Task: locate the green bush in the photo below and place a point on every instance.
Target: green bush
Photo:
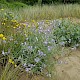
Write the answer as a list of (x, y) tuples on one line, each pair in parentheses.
[(66, 33)]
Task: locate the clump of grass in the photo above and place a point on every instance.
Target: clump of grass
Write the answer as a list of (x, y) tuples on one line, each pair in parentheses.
[(10, 72), (44, 12)]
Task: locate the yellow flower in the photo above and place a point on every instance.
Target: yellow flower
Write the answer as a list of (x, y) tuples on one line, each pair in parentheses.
[(28, 26), (10, 60), (60, 18), (4, 38), (47, 20), (33, 21), (1, 35), (3, 23), (14, 27), (17, 25), (14, 21), (24, 25), (2, 9), (15, 65), (8, 26)]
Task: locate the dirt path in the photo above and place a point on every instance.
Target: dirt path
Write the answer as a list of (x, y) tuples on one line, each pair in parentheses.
[(68, 68)]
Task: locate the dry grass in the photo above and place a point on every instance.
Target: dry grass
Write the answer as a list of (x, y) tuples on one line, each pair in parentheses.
[(46, 12)]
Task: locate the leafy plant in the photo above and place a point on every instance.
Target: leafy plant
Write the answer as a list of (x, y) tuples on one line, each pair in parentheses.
[(67, 33)]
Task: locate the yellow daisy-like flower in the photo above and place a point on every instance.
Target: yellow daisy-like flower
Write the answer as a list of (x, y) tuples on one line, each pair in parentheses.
[(3, 23), (2, 9), (14, 27), (15, 65), (33, 21), (1, 35), (4, 38), (29, 26), (10, 60)]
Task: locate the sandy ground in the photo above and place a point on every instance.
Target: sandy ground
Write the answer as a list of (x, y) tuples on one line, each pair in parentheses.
[(68, 68)]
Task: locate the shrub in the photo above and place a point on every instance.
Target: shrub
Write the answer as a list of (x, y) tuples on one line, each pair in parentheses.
[(66, 33)]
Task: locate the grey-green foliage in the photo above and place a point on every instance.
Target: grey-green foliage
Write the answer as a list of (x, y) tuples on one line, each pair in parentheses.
[(67, 34)]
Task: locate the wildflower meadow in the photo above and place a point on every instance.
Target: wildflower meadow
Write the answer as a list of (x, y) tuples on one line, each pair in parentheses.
[(31, 47)]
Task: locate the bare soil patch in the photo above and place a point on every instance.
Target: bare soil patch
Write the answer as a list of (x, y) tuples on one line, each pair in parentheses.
[(68, 68)]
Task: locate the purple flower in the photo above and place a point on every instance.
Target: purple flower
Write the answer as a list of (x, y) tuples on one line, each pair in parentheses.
[(45, 42), (28, 69), (37, 59), (3, 52), (30, 48), (41, 53), (49, 48)]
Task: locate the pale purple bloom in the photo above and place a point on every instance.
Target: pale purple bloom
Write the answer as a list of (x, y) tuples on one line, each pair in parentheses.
[(62, 43), (3, 52), (25, 43), (4, 41), (31, 65), (30, 48), (37, 59), (49, 48), (45, 42), (24, 64), (41, 53), (28, 69)]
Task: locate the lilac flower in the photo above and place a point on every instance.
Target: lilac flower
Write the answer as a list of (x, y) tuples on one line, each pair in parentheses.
[(37, 59), (31, 65), (62, 43), (28, 69), (4, 41), (25, 43), (46, 42), (53, 40), (30, 48), (41, 53), (26, 38), (11, 38), (24, 64), (6, 53), (3, 52), (49, 48)]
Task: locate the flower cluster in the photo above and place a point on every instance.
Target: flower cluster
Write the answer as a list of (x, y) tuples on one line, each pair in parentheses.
[(12, 62), (2, 37)]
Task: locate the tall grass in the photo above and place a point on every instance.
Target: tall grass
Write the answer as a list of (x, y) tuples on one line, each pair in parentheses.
[(45, 12), (10, 73)]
